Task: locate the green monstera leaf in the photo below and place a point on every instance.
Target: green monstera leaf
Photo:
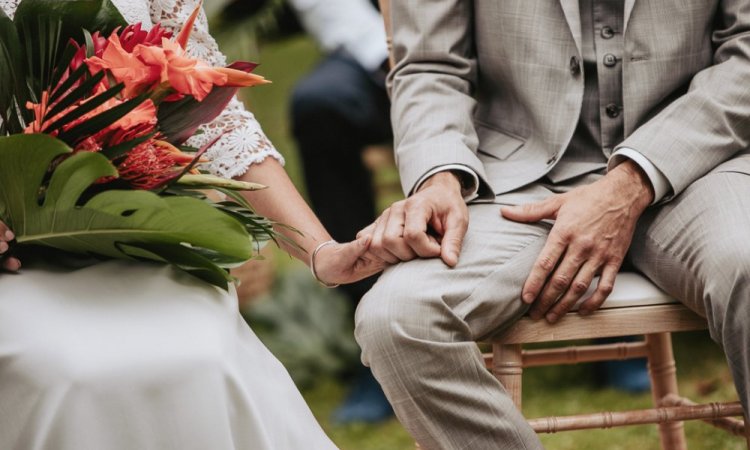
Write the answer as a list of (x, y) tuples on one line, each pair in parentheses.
[(50, 211)]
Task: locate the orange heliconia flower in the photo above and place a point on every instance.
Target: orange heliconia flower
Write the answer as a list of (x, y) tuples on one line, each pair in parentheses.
[(137, 75), (145, 66)]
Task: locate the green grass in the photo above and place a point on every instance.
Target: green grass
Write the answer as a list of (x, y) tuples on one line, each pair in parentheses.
[(547, 391)]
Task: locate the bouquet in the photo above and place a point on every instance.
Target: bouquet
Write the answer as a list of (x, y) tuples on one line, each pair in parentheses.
[(95, 114)]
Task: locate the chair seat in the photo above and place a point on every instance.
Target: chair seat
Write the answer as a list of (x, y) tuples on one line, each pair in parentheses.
[(631, 289), (635, 306)]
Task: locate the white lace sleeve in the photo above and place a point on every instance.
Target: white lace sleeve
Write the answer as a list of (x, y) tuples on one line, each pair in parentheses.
[(242, 141)]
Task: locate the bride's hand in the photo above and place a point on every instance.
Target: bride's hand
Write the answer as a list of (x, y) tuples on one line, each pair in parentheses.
[(6, 237), (346, 263)]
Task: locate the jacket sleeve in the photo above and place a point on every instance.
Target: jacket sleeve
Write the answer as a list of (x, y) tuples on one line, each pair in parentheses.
[(431, 86), (711, 122)]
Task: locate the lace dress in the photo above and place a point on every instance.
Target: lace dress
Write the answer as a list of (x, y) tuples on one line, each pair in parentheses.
[(125, 356)]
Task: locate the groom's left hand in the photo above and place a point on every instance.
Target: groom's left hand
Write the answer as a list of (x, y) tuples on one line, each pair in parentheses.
[(593, 228)]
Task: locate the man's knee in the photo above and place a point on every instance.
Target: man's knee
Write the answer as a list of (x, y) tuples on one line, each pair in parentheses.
[(397, 316), (727, 288), (378, 318)]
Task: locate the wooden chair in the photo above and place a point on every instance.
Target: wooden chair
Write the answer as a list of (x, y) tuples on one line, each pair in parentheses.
[(635, 307)]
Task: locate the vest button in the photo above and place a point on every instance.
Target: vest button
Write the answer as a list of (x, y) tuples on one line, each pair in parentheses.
[(575, 65), (607, 32), (612, 110), (610, 60)]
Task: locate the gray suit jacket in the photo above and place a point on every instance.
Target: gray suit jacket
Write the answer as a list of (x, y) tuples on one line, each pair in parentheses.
[(495, 85)]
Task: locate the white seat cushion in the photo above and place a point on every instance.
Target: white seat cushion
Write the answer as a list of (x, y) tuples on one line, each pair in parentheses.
[(631, 289)]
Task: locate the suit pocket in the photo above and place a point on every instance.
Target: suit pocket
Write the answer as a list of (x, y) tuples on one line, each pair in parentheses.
[(496, 143)]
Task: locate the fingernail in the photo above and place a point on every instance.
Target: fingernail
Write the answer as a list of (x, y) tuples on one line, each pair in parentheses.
[(3, 247), (9, 235), (16, 263), (528, 297), (551, 318)]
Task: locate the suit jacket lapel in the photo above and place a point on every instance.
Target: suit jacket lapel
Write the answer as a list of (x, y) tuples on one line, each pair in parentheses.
[(573, 16), (628, 10)]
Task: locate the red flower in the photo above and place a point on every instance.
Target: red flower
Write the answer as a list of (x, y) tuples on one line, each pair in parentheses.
[(153, 164)]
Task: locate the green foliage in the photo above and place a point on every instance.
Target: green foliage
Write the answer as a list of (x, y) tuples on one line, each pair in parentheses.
[(57, 211)]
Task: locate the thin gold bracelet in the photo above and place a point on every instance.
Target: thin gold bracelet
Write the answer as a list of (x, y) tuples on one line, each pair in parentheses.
[(312, 264)]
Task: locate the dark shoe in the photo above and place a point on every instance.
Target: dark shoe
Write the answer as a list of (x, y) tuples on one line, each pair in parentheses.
[(365, 402)]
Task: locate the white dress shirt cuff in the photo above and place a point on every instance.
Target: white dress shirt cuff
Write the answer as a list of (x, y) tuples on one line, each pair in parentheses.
[(658, 181), (469, 192)]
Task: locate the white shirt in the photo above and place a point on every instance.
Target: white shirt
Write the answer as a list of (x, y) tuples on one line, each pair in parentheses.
[(352, 25)]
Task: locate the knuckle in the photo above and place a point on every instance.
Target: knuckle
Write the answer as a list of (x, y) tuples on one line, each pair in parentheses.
[(605, 288), (546, 263), (376, 245), (390, 240), (615, 261), (579, 287), (413, 202), (411, 234), (560, 282), (586, 243), (462, 221), (565, 234)]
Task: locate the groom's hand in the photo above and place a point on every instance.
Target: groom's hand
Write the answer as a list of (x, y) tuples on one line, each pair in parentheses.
[(6, 237), (432, 222), (593, 228)]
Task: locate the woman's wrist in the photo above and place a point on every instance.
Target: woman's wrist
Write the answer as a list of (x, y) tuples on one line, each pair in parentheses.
[(314, 255)]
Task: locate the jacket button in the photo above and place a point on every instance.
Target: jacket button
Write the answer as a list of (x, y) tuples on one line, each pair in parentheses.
[(607, 32), (610, 60), (575, 65), (612, 110)]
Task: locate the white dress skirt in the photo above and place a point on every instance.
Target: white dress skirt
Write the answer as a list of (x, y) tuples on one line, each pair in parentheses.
[(128, 356)]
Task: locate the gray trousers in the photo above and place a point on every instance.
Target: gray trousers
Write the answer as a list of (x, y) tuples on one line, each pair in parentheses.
[(418, 324)]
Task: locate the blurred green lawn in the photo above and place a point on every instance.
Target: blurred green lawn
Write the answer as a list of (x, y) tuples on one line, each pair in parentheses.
[(560, 390)]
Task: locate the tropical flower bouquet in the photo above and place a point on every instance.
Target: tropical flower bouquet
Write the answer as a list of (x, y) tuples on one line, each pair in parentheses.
[(95, 114)]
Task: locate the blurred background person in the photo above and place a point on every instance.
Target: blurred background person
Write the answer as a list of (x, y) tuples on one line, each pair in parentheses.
[(337, 111)]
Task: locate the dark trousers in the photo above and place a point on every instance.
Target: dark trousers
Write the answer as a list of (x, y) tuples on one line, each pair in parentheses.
[(338, 110)]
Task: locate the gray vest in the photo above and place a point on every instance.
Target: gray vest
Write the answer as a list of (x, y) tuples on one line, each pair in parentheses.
[(600, 127)]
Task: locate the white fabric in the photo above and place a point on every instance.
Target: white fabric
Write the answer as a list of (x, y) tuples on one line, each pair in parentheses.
[(658, 181), (124, 356), (353, 25), (242, 141), (631, 289)]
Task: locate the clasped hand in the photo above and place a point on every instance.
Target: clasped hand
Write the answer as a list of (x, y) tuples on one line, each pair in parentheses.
[(348, 262), (430, 223), (593, 229)]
